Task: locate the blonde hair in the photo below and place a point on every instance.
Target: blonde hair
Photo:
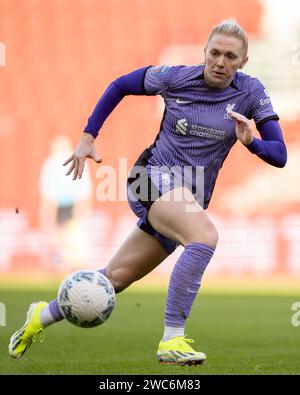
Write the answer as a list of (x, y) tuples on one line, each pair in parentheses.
[(231, 27)]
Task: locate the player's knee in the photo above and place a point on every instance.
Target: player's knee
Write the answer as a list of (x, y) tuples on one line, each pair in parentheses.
[(118, 279), (207, 234), (211, 235), (118, 284)]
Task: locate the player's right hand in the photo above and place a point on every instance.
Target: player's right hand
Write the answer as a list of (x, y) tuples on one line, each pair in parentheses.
[(85, 149)]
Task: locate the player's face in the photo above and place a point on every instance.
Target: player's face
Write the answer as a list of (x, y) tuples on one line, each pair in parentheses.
[(224, 55)]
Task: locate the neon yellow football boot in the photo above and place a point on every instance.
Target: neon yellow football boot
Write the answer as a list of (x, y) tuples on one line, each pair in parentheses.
[(178, 351), (24, 337)]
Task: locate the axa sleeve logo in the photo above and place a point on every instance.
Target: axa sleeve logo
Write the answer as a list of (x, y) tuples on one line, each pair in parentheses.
[(267, 100), (182, 126)]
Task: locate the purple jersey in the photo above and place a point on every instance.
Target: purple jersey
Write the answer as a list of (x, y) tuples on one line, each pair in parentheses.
[(197, 129)]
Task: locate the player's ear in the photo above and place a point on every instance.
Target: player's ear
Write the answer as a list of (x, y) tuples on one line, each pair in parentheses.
[(204, 50), (245, 60)]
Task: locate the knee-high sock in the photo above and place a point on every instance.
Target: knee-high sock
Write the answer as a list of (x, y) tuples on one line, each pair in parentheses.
[(55, 311), (185, 282)]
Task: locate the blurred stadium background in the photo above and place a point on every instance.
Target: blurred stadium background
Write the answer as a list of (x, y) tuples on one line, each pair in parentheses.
[(58, 56)]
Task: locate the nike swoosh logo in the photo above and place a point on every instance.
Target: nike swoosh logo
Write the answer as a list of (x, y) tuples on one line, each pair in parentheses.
[(192, 291), (178, 101)]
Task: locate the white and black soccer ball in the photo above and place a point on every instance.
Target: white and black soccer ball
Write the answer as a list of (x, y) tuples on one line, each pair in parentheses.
[(86, 298)]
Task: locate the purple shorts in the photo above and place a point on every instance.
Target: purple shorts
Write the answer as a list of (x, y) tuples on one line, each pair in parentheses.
[(143, 189)]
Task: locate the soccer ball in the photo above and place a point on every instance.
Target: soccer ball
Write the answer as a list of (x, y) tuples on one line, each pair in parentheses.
[(86, 298)]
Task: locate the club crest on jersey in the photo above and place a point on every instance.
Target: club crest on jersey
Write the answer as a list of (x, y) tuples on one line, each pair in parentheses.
[(229, 108)]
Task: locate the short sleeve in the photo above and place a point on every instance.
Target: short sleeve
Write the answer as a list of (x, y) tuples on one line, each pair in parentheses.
[(261, 108), (158, 79)]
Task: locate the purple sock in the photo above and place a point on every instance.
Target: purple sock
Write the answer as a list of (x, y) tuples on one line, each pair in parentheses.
[(54, 310), (185, 282)]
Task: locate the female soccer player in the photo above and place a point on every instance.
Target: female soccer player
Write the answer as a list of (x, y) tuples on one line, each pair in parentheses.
[(171, 185)]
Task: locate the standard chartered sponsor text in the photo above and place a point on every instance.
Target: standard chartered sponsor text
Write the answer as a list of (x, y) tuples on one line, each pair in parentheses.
[(202, 131)]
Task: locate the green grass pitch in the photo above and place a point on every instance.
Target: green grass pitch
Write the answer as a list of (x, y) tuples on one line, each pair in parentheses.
[(240, 333)]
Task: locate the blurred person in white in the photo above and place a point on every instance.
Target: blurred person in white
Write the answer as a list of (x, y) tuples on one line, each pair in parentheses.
[(64, 206)]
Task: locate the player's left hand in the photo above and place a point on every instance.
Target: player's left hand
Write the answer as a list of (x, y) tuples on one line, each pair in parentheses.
[(243, 128)]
